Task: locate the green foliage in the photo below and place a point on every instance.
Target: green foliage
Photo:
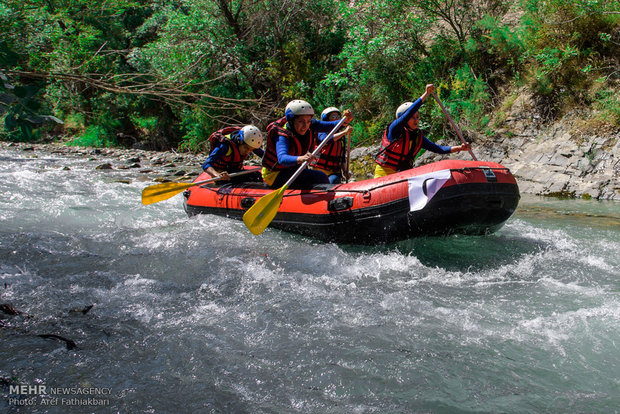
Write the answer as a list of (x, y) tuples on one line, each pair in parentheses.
[(94, 136), (608, 102), (102, 134), (164, 74), (468, 97), (565, 41), (494, 45), (197, 128), (148, 123)]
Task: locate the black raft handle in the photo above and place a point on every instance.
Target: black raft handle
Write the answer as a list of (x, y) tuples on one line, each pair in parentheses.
[(339, 204)]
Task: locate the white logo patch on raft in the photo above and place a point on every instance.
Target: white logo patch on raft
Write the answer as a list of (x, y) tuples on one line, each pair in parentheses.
[(434, 181)]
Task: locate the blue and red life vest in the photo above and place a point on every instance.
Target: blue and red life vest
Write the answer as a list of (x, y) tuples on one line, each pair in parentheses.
[(233, 160), (400, 153), (298, 146)]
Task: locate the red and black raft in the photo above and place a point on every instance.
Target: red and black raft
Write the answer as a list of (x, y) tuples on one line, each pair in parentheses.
[(441, 198)]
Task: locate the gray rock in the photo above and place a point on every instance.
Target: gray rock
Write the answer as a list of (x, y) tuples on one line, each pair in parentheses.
[(105, 166)]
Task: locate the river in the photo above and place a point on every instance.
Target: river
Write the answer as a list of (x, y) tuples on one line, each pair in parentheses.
[(193, 315)]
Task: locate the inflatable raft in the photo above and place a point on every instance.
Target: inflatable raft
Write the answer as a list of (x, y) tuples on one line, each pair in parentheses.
[(441, 198)]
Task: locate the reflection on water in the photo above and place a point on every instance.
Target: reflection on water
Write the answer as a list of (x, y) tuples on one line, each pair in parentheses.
[(589, 213), (471, 253)]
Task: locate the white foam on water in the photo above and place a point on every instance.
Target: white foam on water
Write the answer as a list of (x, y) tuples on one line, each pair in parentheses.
[(208, 313), (557, 286), (559, 329), (598, 263), (27, 177), (381, 265)]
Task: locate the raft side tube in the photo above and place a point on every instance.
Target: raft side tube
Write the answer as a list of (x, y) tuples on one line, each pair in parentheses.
[(478, 198)]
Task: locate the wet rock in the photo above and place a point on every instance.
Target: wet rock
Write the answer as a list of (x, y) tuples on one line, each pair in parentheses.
[(362, 152), (106, 166), (6, 381), (127, 167), (9, 309), (68, 342), (83, 310)]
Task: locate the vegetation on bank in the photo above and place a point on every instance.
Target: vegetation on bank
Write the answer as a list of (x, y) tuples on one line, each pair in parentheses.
[(165, 74)]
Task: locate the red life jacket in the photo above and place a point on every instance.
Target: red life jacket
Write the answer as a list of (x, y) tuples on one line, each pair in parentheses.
[(232, 162), (331, 156), (218, 136), (400, 153), (297, 145)]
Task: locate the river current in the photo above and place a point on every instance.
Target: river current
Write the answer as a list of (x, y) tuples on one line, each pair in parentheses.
[(197, 315)]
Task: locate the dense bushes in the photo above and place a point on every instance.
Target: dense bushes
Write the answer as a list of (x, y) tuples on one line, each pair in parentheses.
[(165, 74)]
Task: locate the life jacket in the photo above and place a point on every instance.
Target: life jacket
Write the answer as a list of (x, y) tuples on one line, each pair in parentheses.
[(400, 153), (331, 156), (230, 162), (218, 136), (297, 145)]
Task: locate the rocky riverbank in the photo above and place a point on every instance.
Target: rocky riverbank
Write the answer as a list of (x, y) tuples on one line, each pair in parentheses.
[(151, 165)]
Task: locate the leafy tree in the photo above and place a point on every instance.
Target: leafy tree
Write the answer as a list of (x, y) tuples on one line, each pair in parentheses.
[(165, 73)]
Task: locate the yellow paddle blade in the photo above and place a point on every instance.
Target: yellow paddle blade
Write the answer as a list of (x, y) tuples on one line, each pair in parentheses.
[(163, 191), (258, 217)]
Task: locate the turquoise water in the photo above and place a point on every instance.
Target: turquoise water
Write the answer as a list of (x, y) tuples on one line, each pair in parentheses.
[(198, 315)]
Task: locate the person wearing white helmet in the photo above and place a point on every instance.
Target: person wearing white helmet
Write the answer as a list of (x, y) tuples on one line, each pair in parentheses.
[(290, 141), (402, 139), (230, 147), (331, 159)]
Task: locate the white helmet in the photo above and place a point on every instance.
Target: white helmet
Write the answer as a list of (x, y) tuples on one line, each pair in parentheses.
[(252, 136), (402, 109), (328, 111), (296, 108)]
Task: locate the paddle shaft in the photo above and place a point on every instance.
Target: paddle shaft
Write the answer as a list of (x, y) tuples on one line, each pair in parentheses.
[(348, 155), (230, 175), (316, 151), (163, 191), (458, 131)]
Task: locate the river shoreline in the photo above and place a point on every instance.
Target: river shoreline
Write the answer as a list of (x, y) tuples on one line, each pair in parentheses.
[(544, 165), (157, 166)]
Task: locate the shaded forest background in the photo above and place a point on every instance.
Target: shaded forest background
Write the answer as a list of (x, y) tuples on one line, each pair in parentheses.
[(165, 74)]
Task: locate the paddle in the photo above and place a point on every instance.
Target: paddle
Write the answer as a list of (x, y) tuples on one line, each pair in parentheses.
[(348, 156), (258, 217), (458, 132), (159, 192)]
